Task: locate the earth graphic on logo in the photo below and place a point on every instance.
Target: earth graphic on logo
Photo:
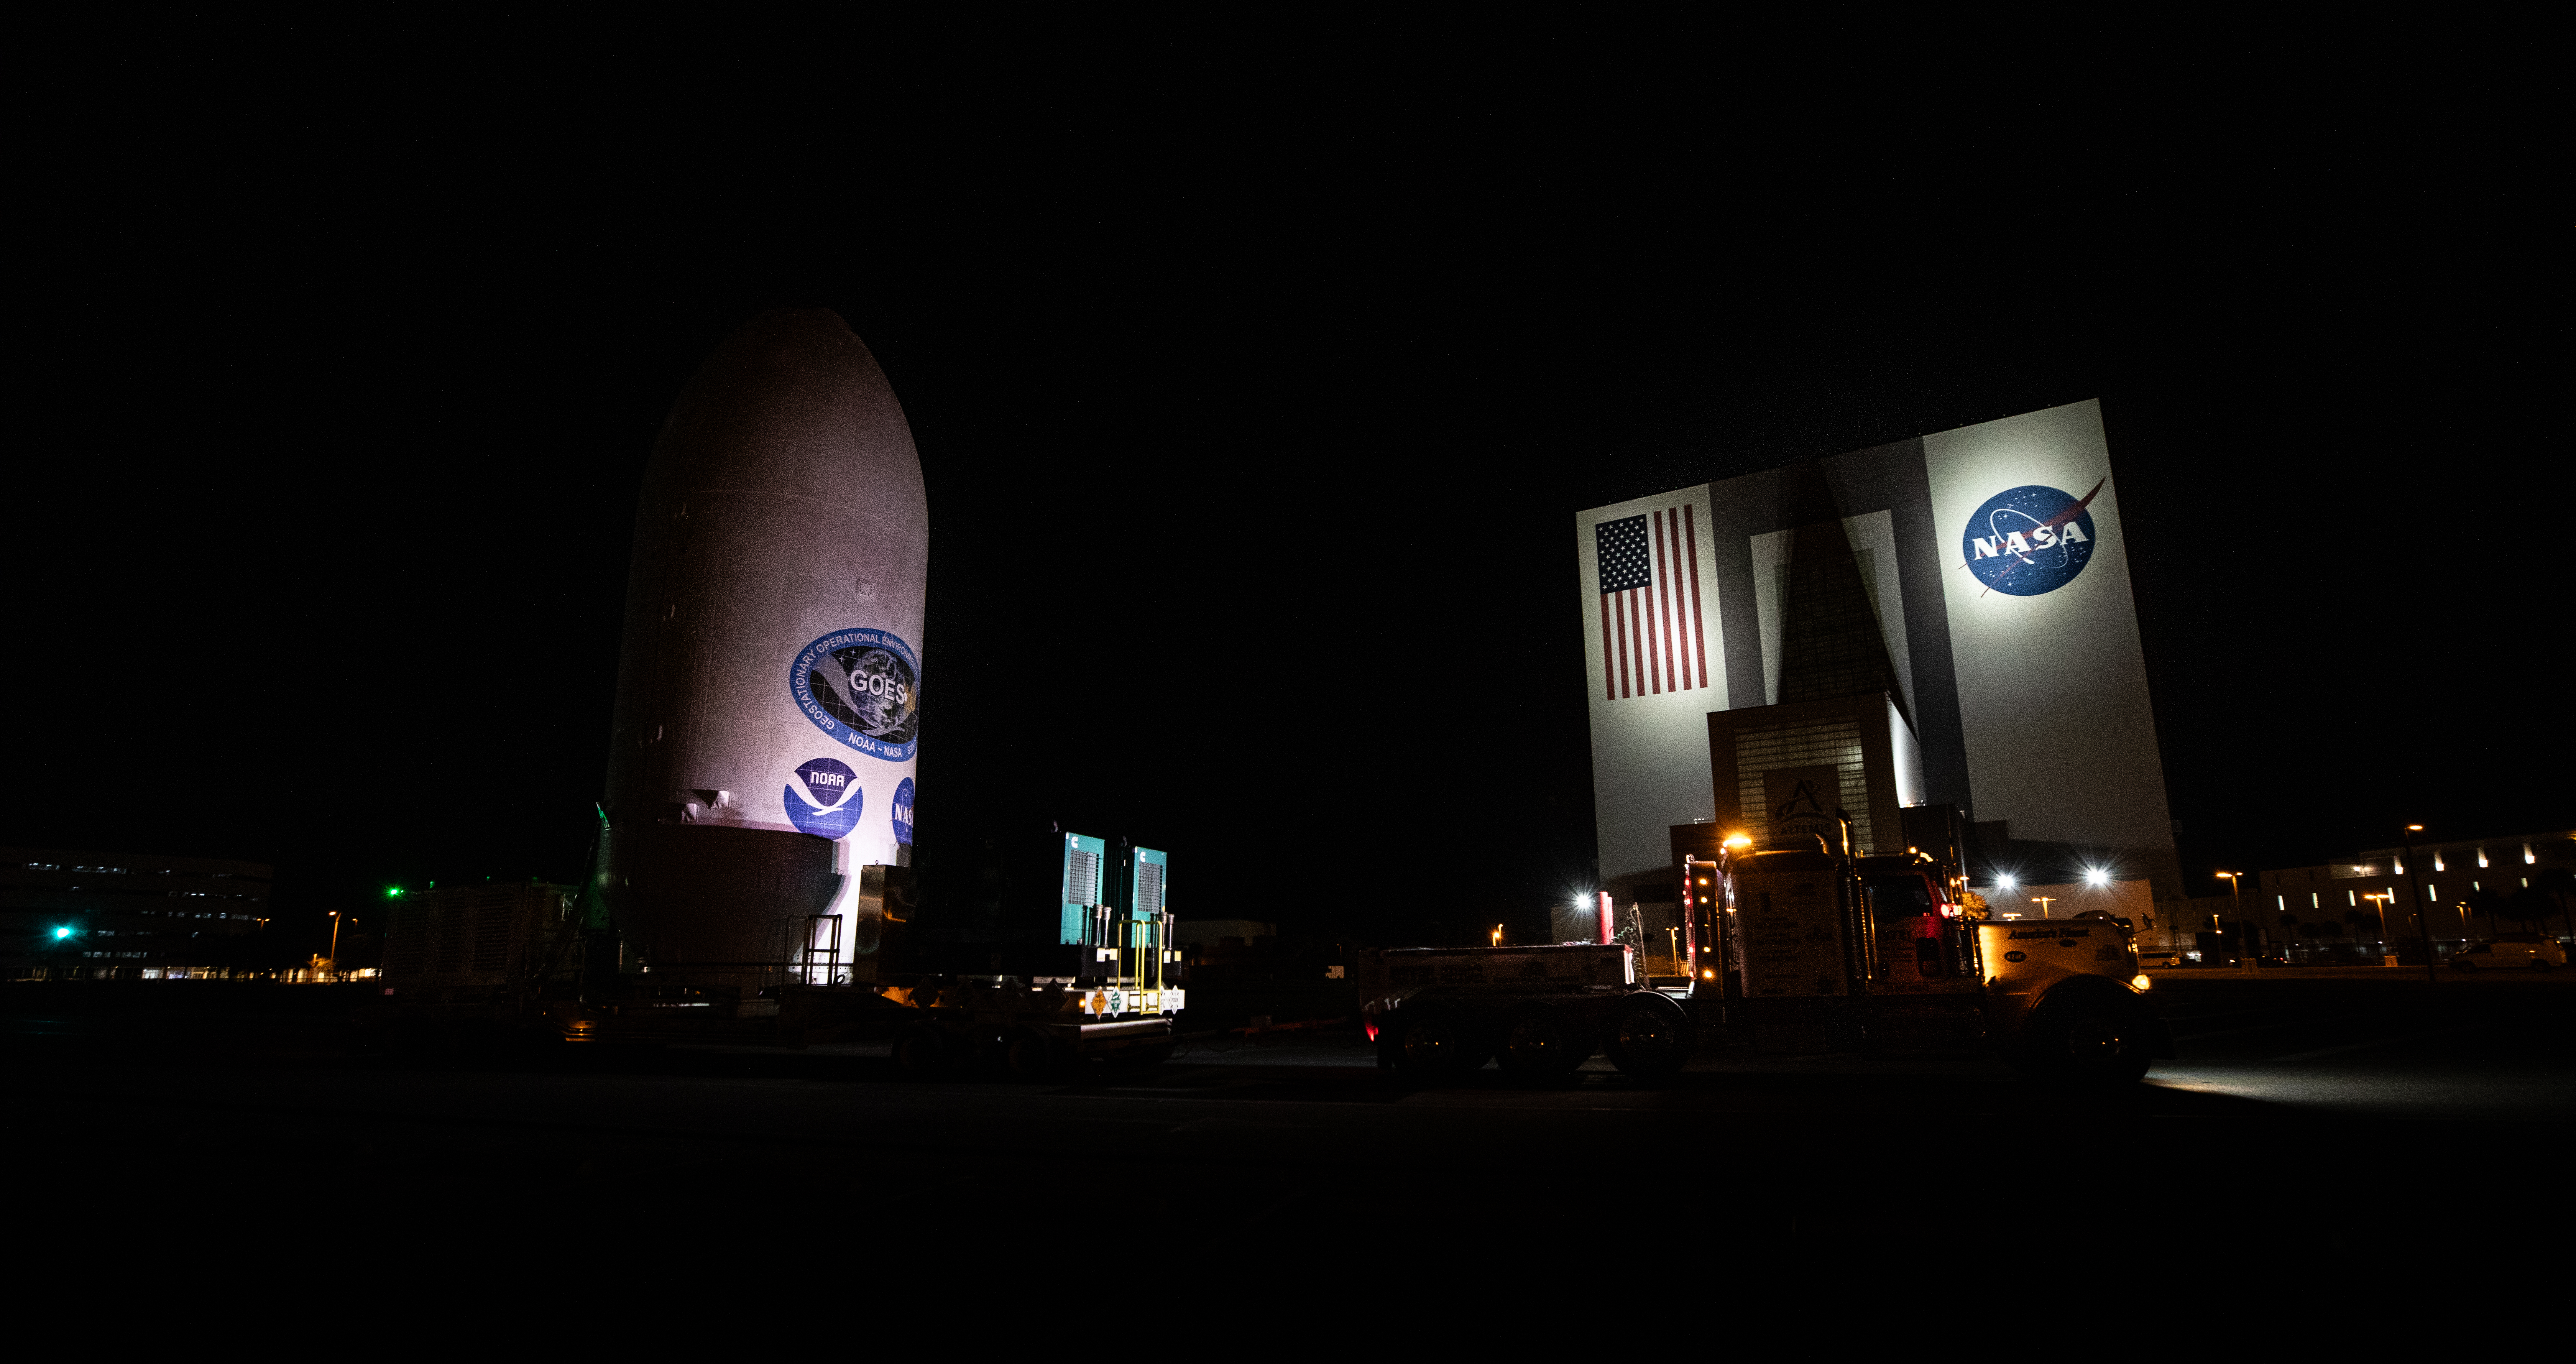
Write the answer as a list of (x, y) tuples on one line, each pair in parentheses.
[(829, 804), (2029, 540), (862, 687)]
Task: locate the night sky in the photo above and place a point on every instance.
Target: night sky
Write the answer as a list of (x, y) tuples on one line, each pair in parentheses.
[(1254, 427)]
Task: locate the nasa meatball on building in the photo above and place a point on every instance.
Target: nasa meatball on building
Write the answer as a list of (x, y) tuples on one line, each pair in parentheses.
[(769, 690), (1942, 621)]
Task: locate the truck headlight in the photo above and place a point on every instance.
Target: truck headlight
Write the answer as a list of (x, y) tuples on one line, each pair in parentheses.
[(2140, 980)]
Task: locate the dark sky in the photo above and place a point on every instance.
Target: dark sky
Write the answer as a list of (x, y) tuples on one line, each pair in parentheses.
[(1254, 429)]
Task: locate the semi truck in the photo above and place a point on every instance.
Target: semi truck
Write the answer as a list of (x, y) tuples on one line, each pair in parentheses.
[(1803, 944)]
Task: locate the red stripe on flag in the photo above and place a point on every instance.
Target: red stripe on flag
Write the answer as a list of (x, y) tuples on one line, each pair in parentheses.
[(1609, 685), (1637, 639), (1654, 609), (1646, 610), (1664, 559), (1699, 627), (1619, 604)]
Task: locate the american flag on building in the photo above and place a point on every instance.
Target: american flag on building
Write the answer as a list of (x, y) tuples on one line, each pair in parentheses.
[(1652, 637)]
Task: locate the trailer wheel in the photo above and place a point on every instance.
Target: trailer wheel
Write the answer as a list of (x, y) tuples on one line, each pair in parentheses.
[(1032, 1055), (1650, 1036), (1539, 1045), (1136, 1060), (2087, 1042), (1437, 1044), (922, 1053)]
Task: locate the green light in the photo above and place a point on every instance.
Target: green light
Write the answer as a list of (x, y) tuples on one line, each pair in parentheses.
[(393, 892), (61, 933)]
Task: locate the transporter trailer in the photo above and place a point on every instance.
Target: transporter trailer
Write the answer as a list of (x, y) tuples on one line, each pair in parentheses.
[(522, 968), (1436, 1013), (1798, 946)]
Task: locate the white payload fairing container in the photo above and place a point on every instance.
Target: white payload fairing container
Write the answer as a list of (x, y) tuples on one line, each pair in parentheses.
[(769, 689)]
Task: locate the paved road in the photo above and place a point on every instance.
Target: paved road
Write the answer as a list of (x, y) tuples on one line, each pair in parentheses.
[(2319, 1091)]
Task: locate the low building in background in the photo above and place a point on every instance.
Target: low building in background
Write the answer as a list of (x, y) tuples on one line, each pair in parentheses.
[(2468, 890), (68, 915), (2360, 911), (2363, 910), (1213, 940)]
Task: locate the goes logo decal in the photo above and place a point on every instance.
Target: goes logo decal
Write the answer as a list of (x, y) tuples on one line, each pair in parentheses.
[(2029, 540), (862, 687)]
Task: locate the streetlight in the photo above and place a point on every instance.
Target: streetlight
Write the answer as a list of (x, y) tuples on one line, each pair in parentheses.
[(2244, 935), (335, 937), (2379, 902), (1498, 935), (2042, 902), (2431, 976)]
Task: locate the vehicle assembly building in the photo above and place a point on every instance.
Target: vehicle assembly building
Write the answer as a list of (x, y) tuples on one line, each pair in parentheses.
[(1944, 620)]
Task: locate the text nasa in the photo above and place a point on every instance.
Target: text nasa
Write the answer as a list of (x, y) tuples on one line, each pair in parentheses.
[(2041, 537)]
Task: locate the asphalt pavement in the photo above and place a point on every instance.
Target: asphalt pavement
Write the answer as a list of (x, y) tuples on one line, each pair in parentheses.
[(2312, 1092)]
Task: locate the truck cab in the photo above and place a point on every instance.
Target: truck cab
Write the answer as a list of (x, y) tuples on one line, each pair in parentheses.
[(1815, 948)]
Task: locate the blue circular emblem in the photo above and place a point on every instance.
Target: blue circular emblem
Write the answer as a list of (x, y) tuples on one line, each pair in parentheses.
[(829, 804), (902, 811), (2029, 540), (862, 687)]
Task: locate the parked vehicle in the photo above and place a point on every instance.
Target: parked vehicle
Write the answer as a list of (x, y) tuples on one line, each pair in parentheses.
[(2512, 952)]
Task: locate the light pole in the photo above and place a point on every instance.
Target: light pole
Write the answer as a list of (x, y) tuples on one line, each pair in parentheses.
[(2042, 901), (2244, 935), (2414, 892), (335, 940), (2379, 902)]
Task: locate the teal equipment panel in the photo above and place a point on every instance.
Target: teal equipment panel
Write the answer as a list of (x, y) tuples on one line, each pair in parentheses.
[(1083, 856), (1145, 888)]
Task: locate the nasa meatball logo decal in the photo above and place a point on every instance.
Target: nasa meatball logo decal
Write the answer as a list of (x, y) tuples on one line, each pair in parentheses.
[(902, 811), (2029, 540), (829, 805), (862, 687)]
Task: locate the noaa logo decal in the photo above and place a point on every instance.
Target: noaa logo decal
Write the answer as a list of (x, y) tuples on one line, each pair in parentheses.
[(902, 811), (862, 687), (829, 804), (2029, 540)]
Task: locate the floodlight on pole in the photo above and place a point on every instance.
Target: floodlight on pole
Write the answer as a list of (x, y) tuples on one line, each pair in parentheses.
[(2379, 902), (2244, 934), (2423, 930)]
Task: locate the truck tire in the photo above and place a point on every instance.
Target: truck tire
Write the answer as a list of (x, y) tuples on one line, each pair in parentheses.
[(1032, 1055), (1649, 1036), (2087, 1042), (1542, 1044), (1438, 1044), (921, 1052), (1136, 1060)]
